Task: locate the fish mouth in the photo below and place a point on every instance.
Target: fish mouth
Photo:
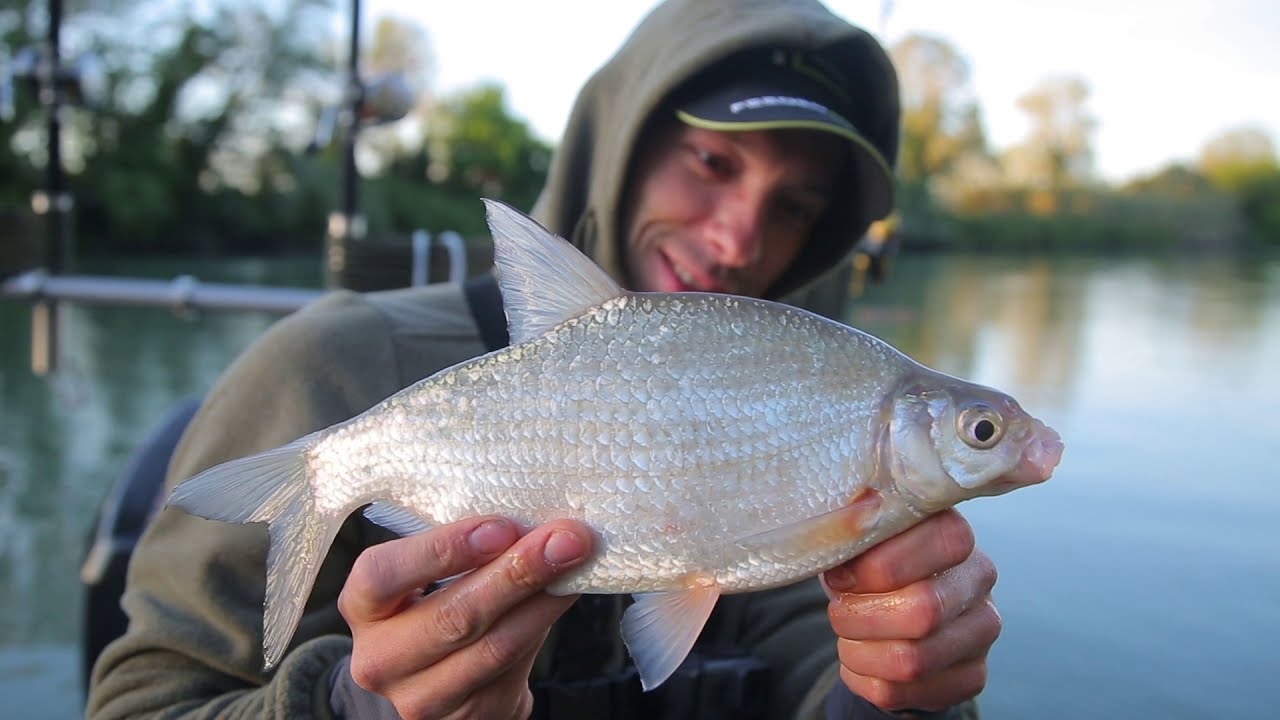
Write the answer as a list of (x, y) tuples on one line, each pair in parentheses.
[(1043, 451), (1040, 455)]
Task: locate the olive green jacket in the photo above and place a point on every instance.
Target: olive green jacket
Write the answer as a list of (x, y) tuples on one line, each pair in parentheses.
[(195, 588)]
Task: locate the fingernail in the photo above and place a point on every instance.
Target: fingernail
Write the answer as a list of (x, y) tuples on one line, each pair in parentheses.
[(563, 547), (492, 536), (839, 579)]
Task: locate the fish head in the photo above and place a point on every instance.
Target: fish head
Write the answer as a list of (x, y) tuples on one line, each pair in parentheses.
[(952, 440)]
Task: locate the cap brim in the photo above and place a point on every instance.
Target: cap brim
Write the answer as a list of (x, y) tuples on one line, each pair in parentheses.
[(875, 178)]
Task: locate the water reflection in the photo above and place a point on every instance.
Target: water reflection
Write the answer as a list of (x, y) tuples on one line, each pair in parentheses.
[(63, 441), (1144, 572), (1009, 323), (1137, 582)]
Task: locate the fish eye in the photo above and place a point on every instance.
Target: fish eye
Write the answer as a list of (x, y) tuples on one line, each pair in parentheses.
[(980, 426)]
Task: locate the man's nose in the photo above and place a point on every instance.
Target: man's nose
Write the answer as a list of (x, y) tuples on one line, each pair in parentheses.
[(736, 231)]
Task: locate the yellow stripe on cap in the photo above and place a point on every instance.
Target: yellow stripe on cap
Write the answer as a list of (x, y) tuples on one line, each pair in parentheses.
[(721, 126)]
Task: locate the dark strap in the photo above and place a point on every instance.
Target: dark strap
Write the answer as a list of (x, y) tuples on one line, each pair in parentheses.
[(704, 687), (485, 300)]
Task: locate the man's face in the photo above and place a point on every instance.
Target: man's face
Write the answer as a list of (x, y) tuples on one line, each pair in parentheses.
[(725, 211)]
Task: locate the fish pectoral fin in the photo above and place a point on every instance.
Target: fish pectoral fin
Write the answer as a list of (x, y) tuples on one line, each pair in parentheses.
[(843, 525), (660, 629), (544, 280), (396, 519)]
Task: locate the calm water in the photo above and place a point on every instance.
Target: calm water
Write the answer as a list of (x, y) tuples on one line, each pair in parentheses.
[(1143, 581)]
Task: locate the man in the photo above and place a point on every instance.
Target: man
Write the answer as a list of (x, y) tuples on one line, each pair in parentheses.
[(728, 146)]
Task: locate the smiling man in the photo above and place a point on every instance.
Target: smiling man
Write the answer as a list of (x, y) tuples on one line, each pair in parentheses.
[(728, 146), (730, 180), (724, 211)]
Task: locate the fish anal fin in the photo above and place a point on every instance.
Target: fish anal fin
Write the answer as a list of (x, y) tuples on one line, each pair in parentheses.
[(660, 628), (844, 525)]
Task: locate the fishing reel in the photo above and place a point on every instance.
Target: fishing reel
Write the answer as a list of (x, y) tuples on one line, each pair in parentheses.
[(384, 99), (874, 253)]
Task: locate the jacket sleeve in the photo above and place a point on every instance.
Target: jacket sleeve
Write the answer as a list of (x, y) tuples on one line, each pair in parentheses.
[(788, 628), (195, 587)]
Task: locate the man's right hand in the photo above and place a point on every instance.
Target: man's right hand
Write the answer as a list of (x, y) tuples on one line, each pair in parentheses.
[(464, 650)]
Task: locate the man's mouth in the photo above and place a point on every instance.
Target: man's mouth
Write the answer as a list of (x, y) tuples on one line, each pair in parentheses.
[(684, 275), (691, 279)]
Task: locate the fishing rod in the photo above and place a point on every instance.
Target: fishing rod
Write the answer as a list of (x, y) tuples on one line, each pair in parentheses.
[(53, 82)]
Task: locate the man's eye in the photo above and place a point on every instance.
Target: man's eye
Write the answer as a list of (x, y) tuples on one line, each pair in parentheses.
[(798, 212), (714, 162)]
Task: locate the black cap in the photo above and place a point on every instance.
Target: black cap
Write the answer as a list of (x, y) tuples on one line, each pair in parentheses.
[(784, 89)]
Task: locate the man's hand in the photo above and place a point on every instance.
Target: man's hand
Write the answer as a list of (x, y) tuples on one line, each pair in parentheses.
[(914, 617), (464, 650)]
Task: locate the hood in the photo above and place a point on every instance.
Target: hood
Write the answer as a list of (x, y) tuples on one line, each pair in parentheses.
[(676, 41)]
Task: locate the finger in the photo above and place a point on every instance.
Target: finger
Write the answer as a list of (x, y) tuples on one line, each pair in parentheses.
[(968, 638), (494, 667), (432, 693), (917, 610), (940, 542), (512, 699), (384, 575), (457, 615), (950, 687)]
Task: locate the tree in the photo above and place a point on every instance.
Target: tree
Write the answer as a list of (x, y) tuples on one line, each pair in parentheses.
[(477, 146), (1176, 181), (1239, 157), (1243, 161), (401, 48), (940, 119), (196, 97), (1058, 153)]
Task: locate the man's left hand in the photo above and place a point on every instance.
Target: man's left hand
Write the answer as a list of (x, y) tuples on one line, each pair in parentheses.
[(914, 617)]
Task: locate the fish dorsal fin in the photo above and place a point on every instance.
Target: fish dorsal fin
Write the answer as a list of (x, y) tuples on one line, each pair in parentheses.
[(544, 280)]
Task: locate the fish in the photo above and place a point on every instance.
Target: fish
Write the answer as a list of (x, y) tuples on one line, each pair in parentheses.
[(714, 444)]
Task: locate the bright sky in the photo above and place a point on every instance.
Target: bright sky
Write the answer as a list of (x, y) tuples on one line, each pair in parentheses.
[(1165, 75)]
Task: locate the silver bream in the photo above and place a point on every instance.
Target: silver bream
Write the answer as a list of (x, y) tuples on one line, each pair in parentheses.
[(715, 444)]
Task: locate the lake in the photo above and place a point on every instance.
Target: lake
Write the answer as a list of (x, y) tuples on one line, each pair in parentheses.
[(1142, 581)]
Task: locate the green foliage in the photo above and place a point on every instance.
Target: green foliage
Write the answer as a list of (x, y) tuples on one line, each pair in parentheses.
[(1260, 205), (1059, 152), (474, 148), (1094, 221), (478, 147), (1239, 158), (197, 147), (1176, 181), (940, 119)]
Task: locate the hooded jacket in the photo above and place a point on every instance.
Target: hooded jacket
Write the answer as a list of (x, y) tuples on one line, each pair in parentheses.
[(680, 39), (195, 587)]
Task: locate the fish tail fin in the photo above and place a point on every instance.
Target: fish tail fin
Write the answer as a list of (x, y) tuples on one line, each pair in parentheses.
[(271, 487)]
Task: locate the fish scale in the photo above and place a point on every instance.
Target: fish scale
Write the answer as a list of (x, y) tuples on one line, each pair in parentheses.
[(770, 413), (714, 444)]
